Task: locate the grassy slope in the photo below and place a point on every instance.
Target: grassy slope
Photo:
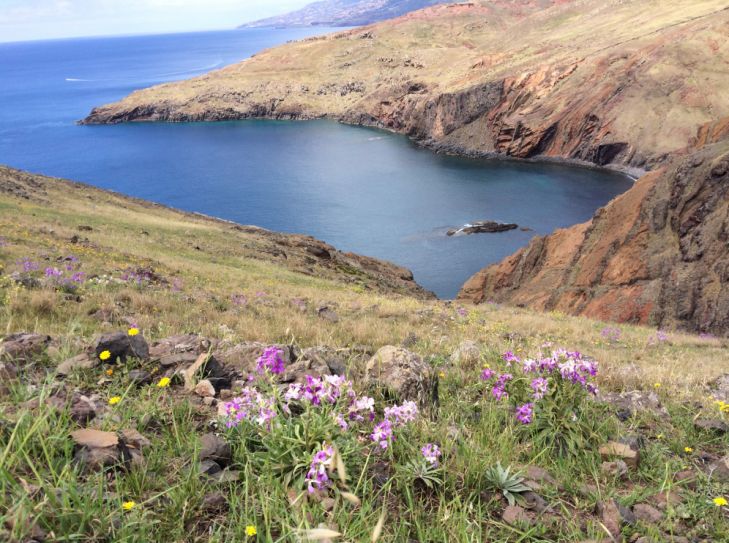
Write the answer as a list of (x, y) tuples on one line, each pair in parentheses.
[(38, 485)]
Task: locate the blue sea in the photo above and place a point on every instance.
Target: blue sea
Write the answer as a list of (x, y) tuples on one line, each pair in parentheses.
[(361, 189)]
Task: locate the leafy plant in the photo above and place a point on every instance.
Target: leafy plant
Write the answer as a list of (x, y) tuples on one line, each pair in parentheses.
[(502, 480)]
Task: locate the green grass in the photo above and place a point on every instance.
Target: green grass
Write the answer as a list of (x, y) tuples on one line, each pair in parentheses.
[(41, 486)]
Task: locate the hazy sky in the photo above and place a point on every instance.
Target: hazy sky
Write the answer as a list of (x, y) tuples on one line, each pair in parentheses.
[(43, 19)]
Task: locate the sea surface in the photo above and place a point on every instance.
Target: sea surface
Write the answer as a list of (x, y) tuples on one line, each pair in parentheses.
[(361, 189)]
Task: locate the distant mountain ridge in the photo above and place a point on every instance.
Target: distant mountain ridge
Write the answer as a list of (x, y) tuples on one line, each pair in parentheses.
[(344, 13)]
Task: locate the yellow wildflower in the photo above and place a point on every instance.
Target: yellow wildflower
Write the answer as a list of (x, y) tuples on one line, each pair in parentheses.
[(251, 530), (657, 385), (660, 436), (114, 400), (128, 506), (720, 501), (688, 450), (110, 372), (105, 355), (441, 374), (133, 331), (164, 382)]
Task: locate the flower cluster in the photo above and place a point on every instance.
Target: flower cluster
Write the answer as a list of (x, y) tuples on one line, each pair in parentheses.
[(271, 360), (431, 453), (251, 406), (658, 338), (544, 375), (65, 275), (612, 334), (317, 477), (323, 404)]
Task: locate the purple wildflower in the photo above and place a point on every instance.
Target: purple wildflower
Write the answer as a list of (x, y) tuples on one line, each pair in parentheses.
[(53, 272), (382, 433), (611, 334), (539, 386), (317, 477), (78, 277), (239, 299), (366, 405), (251, 406), (271, 360), (524, 413), (462, 311), (400, 415), (487, 374), (28, 265), (510, 357), (431, 453)]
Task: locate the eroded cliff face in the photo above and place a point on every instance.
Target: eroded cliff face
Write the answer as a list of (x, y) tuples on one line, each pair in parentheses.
[(611, 83), (658, 254)]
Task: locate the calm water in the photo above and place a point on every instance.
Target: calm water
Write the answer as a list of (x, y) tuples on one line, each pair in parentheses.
[(360, 189)]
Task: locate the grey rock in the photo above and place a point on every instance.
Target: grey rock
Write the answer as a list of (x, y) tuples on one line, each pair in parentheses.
[(647, 513), (23, 347), (79, 362), (215, 448), (140, 377), (403, 374), (122, 346)]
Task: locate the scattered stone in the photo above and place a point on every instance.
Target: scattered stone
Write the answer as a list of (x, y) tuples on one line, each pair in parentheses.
[(315, 361), (540, 475), (403, 374), (687, 478), (616, 469), (719, 388), (410, 340), (205, 367), (610, 517), (81, 409), (23, 346), (535, 502), (468, 354), (209, 401), (96, 449), (226, 476), (215, 503), (664, 499), (712, 425), (215, 448), (122, 346), (181, 349), (647, 513), (8, 372), (209, 467), (627, 404), (140, 377), (621, 450), (134, 439), (79, 362), (515, 514), (719, 470), (88, 437), (327, 313), (205, 389)]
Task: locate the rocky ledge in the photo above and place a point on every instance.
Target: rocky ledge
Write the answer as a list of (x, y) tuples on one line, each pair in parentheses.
[(481, 227)]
